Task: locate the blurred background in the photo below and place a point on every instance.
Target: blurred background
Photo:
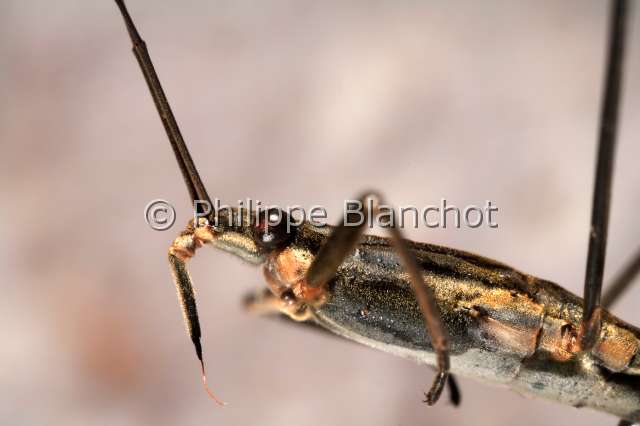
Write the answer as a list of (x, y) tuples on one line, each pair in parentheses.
[(287, 102)]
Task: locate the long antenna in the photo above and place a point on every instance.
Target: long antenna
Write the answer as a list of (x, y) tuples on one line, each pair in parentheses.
[(191, 177), (604, 172), (190, 174)]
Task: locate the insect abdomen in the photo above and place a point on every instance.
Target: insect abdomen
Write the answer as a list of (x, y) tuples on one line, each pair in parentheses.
[(504, 326)]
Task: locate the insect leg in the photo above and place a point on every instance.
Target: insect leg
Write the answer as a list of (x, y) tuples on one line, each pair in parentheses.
[(266, 304), (622, 281), (591, 322), (343, 241), (263, 303), (454, 390)]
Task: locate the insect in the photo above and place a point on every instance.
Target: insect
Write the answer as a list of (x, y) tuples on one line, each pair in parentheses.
[(522, 330)]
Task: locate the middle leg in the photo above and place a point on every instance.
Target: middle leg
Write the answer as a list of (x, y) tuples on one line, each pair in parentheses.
[(343, 241)]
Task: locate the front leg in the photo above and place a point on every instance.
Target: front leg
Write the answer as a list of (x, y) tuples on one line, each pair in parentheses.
[(265, 304)]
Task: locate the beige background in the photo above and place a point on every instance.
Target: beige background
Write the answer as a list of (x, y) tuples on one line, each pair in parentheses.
[(292, 103)]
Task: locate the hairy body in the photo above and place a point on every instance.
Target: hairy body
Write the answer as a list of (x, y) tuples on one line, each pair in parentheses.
[(505, 327)]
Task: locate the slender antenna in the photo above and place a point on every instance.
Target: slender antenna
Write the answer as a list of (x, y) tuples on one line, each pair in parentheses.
[(604, 171), (190, 174), (191, 177)]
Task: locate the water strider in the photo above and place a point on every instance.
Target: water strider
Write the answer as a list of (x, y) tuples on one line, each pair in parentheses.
[(440, 306)]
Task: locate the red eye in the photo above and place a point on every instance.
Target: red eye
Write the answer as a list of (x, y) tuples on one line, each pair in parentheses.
[(273, 228)]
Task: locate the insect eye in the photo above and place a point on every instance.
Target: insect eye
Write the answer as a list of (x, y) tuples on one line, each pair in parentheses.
[(271, 228)]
